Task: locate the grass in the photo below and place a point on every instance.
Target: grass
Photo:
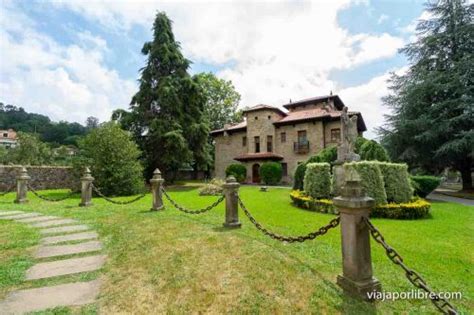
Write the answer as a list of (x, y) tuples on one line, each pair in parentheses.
[(171, 262)]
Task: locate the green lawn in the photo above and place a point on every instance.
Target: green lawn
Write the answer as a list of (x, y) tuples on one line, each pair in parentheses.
[(178, 263)]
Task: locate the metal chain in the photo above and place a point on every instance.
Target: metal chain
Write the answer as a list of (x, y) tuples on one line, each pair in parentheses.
[(290, 239), (441, 304), (98, 192), (47, 198), (9, 189), (180, 208)]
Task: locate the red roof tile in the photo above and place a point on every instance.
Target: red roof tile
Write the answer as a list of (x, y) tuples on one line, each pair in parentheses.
[(241, 125), (262, 107), (259, 156)]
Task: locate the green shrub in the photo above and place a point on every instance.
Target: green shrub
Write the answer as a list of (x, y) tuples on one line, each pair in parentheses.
[(424, 184), (371, 179), (239, 171), (372, 151), (326, 155), (271, 173), (359, 143), (298, 178), (397, 182), (301, 200), (213, 188), (114, 160), (317, 180), (411, 210)]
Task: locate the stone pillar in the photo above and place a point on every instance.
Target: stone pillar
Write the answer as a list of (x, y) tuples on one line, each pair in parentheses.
[(354, 206), (22, 186), (86, 188), (156, 183), (231, 191)]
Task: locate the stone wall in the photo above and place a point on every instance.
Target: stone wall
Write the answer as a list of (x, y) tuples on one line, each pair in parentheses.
[(42, 177)]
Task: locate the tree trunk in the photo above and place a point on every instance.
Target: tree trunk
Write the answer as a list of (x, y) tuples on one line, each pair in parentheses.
[(466, 179)]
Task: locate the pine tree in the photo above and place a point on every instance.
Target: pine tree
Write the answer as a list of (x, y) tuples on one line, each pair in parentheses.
[(432, 120), (167, 110)]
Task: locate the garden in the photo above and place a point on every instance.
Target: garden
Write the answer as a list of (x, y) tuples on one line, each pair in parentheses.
[(169, 261)]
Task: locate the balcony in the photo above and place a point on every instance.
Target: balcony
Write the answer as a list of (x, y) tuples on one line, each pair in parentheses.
[(301, 147)]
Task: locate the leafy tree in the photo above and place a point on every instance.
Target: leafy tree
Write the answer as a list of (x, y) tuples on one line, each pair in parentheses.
[(30, 151), (432, 104), (222, 100), (92, 122), (271, 173), (372, 151), (112, 157), (326, 155), (167, 111)]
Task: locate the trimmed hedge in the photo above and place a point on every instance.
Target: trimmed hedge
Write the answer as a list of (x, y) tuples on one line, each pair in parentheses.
[(301, 200), (371, 179), (298, 178), (424, 184), (326, 155), (317, 180), (397, 182), (372, 151), (415, 209), (239, 171), (271, 173)]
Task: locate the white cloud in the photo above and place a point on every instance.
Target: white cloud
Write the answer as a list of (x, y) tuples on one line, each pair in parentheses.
[(382, 18), (272, 51), (64, 82)]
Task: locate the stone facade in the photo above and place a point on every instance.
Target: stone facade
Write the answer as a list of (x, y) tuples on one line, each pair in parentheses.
[(42, 177), (289, 137)]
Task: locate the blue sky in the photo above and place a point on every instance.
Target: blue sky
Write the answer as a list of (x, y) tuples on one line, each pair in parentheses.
[(74, 59)]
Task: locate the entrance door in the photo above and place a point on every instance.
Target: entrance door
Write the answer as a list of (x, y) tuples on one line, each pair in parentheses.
[(256, 173)]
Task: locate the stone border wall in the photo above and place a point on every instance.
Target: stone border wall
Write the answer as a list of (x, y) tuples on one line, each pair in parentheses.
[(42, 177)]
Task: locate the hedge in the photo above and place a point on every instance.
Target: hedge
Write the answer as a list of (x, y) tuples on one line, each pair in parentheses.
[(397, 182), (301, 200), (415, 209), (317, 180), (326, 155), (239, 171), (424, 185), (371, 179), (298, 178), (372, 151), (271, 173)]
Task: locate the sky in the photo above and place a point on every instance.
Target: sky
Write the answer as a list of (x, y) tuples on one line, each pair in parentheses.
[(74, 59)]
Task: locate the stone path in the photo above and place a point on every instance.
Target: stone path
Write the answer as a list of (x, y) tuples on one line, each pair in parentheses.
[(57, 232)]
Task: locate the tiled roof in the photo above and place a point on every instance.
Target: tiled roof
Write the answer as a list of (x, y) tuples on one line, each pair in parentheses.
[(259, 156), (241, 125), (337, 101), (263, 106)]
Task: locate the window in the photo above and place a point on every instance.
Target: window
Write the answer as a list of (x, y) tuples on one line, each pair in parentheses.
[(269, 143), (269, 117), (244, 141), (302, 136), (5, 135), (283, 137), (256, 118), (284, 167), (257, 144), (335, 135)]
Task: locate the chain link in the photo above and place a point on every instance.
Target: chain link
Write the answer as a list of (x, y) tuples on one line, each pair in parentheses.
[(290, 239), (180, 208), (441, 304), (9, 189), (50, 199), (98, 192)]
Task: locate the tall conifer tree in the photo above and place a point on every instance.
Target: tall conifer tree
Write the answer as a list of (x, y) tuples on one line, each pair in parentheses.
[(167, 111), (432, 120)]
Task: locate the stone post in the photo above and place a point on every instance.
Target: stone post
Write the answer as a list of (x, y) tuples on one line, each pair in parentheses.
[(86, 188), (354, 206), (22, 186), (231, 192), (156, 183)]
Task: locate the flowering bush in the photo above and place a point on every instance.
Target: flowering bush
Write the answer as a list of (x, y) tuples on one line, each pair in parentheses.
[(213, 188), (415, 209), (301, 200)]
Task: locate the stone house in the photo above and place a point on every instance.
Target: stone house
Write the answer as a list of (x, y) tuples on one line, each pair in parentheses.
[(288, 136), (8, 138)]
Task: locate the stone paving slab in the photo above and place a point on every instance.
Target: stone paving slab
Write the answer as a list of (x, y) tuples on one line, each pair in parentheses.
[(38, 219), (64, 229), (30, 300), (65, 267), (61, 250), (53, 223), (69, 237), (20, 216), (2, 213)]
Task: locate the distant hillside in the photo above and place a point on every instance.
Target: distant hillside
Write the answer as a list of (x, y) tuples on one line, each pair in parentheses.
[(56, 133)]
